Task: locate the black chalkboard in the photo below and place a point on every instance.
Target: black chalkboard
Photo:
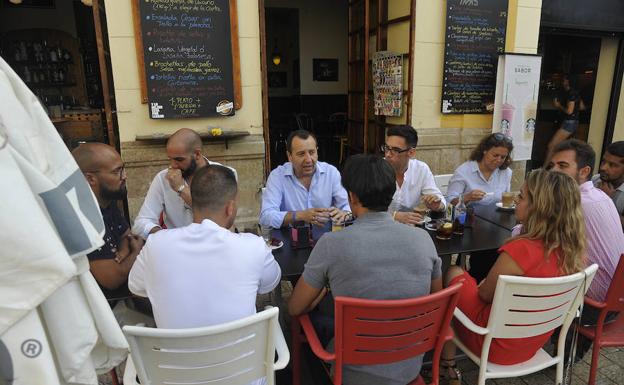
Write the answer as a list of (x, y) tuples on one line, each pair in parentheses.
[(598, 15), (188, 58), (475, 36)]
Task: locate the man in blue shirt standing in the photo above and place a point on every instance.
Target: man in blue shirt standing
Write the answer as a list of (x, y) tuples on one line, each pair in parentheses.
[(303, 189)]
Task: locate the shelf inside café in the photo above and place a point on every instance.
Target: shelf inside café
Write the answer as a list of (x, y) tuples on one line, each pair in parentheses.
[(49, 84), (31, 63), (225, 137)]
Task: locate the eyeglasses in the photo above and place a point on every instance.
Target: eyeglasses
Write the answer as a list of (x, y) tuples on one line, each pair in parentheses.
[(499, 137), (118, 171), (394, 150)]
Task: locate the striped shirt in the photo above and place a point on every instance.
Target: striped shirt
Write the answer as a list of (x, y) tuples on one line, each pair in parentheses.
[(605, 240), (603, 232)]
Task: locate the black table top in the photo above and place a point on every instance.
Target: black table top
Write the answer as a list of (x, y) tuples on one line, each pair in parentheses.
[(479, 235), (491, 213)]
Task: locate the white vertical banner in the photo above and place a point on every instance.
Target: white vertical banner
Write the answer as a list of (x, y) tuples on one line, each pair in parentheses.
[(517, 91)]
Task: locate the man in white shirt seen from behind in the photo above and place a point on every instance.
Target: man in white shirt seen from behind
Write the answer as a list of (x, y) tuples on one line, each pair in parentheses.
[(415, 183), (169, 195), (203, 274)]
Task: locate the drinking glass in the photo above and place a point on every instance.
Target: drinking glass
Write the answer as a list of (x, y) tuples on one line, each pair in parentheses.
[(444, 229), (508, 199), (265, 232), (337, 225)]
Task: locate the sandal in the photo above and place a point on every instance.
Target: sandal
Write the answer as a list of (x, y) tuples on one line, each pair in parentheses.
[(449, 372)]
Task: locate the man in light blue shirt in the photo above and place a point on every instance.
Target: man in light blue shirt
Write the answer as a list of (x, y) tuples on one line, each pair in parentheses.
[(303, 189)]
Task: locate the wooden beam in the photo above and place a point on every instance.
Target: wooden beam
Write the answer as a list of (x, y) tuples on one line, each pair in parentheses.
[(410, 76), (265, 92), (236, 72), (138, 45)]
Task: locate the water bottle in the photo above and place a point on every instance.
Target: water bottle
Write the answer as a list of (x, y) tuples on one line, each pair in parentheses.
[(459, 219)]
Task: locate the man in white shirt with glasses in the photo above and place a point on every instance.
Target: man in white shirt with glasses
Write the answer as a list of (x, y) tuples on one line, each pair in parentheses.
[(415, 182)]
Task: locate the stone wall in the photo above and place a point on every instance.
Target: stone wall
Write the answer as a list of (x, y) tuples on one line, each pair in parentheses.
[(143, 160)]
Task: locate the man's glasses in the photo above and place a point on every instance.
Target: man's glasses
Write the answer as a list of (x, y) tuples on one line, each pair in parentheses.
[(393, 150), (501, 137)]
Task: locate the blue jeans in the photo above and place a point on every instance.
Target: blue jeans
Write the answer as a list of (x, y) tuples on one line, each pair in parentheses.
[(570, 125), (323, 325)]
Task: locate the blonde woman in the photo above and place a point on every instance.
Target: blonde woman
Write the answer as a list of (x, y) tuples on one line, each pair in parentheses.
[(551, 243)]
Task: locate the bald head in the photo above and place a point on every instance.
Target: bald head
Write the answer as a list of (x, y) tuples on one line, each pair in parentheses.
[(104, 170), (187, 138), (93, 156)]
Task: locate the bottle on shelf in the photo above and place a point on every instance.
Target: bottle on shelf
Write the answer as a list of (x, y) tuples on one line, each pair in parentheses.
[(23, 51), (53, 55), (59, 51), (27, 77)]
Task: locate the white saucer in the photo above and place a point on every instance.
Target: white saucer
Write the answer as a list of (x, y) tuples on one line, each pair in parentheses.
[(500, 207), (276, 247), (430, 226), (425, 220)]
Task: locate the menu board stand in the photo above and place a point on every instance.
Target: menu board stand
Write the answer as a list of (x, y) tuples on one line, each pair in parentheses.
[(475, 36), (190, 58)]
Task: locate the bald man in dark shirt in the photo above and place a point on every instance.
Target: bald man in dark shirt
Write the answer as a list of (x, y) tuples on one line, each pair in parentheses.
[(110, 265)]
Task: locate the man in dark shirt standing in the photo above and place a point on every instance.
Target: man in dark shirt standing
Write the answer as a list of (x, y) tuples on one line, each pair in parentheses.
[(568, 104), (110, 265)]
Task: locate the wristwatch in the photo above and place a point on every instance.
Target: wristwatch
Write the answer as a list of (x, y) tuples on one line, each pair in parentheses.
[(182, 186)]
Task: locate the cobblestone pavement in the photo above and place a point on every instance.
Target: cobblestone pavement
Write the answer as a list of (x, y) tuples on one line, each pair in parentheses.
[(610, 372)]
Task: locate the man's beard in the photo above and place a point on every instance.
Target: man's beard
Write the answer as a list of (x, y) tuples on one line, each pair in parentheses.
[(114, 195), (190, 170)]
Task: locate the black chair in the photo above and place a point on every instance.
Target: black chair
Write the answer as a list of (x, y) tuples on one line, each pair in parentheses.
[(338, 126), (304, 121)]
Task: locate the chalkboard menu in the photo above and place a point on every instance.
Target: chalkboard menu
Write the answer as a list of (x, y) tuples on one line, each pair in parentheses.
[(188, 58), (475, 36)]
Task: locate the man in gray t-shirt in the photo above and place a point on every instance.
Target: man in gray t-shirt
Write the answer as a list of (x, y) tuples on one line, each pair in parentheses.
[(375, 258)]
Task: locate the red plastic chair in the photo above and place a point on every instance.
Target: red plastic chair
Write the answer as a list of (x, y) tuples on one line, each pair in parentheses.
[(611, 334), (371, 332)]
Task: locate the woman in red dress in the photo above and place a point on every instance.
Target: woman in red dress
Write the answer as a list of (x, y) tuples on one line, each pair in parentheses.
[(551, 243)]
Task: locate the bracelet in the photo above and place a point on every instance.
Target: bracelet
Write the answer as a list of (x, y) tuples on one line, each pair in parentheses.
[(394, 216)]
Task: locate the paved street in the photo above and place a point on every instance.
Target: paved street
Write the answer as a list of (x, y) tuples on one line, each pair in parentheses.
[(610, 372)]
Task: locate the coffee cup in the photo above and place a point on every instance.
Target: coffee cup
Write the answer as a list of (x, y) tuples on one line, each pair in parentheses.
[(508, 199)]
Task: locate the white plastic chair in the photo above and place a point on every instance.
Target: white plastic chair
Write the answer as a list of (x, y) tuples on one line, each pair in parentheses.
[(234, 353), (442, 181), (526, 307)]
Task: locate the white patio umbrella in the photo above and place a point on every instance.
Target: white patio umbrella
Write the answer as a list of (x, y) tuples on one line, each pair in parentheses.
[(55, 324)]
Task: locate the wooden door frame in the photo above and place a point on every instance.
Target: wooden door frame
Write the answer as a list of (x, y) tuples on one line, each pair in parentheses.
[(376, 125), (112, 127), (265, 91)]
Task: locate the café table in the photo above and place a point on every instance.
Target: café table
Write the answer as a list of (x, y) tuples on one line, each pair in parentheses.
[(503, 218), (479, 235)]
